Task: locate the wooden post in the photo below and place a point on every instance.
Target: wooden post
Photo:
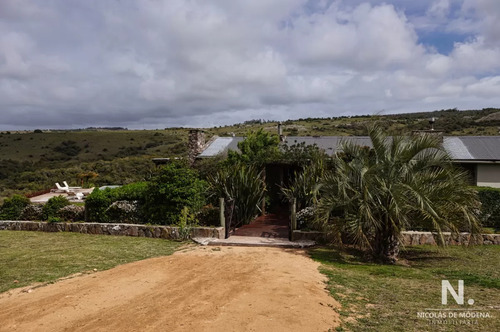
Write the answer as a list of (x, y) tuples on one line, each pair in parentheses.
[(263, 204), (293, 218), (221, 208)]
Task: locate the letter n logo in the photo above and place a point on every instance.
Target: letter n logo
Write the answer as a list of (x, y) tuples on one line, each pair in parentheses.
[(446, 287)]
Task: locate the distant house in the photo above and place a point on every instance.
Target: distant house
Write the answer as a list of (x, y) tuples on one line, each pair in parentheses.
[(479, 155)]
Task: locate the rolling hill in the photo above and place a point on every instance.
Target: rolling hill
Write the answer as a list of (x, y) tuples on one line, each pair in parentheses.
[(34, 160)]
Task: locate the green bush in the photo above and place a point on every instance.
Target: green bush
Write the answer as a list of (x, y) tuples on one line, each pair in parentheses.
[(12, 207), (186, 221), (97, 203), (52, 207), (173, 187), (72, 213), (209, 216), (490, 206), (68, 148), (54, 220), (124, 212)]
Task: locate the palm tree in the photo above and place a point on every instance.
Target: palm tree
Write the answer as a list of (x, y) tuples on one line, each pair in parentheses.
[(372, 195)]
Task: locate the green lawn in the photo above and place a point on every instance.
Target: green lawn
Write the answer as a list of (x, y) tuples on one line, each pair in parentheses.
[(387, 298), (30, 257)]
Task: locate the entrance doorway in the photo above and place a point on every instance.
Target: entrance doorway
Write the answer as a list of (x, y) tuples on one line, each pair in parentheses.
[(272, 225)]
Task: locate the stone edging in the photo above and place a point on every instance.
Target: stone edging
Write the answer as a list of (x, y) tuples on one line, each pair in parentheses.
[(172, 233), (164, 232), (411, 238), (416, 238)]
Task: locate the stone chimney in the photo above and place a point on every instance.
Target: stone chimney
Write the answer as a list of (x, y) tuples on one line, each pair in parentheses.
[(196, 143), (436, 133), (280, 132)]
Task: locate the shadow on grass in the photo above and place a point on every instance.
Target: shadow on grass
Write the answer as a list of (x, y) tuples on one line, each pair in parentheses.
[(342, 256), (424, 254)]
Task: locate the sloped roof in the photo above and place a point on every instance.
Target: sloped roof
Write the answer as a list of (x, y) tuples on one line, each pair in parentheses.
[(485, 148), (466, 148), (221, 145)]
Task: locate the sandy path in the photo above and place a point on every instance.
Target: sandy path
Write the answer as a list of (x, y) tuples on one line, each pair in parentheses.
[(199, 289)]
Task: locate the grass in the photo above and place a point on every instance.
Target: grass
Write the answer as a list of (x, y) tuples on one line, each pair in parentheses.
[(490, 230), (30, 257), (95, 145), (387, 298)]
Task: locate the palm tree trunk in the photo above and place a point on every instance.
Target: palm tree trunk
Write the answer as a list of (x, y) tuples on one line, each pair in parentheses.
[(386, 246)]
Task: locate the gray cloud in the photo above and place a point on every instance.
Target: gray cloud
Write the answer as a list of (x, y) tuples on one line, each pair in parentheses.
[(69, 63)]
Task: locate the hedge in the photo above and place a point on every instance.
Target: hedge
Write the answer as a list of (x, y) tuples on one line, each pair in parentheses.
[(490, 208), (12, 207), (99, 201)]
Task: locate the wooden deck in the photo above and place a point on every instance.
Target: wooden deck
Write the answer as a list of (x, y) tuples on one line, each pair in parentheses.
[(273, 225)]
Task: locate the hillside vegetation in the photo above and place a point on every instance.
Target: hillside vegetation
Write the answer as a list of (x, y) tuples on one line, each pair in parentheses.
[(35, 160), (452, 122)]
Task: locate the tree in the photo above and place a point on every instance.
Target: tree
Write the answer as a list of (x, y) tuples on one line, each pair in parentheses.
[(373, 195), (258, 147), (85, 177), (174, 187)]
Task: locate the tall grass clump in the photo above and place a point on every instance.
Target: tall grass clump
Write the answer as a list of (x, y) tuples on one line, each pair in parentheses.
[(242, 185)]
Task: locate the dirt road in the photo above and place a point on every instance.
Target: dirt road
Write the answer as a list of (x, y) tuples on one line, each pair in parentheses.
[(197, 289)]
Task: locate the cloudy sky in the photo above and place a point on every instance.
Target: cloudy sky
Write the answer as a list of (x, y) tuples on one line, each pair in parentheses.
[(162, 63)]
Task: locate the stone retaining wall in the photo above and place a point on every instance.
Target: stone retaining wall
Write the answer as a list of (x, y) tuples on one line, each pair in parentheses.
[(169, 232), (411, 238), (164, 232)]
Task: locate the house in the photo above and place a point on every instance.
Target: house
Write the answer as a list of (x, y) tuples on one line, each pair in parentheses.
[(479, 155)]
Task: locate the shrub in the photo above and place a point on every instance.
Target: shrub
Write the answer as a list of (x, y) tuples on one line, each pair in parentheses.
[(304, 186), (174, 187), (53, 205), (68, 148), (209, 216), (72, 213), (131, 192), (305, 217), (490, 206), (54, 219), (185, 223), (31, 212), (124, 212), (242, 184), (98, 202), (12, 207)]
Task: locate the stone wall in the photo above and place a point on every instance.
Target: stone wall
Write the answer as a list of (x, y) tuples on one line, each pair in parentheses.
[(414, 238), (164, 232), (172, 233)]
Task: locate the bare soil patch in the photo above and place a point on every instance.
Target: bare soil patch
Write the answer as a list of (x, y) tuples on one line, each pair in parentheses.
[(197, 289)]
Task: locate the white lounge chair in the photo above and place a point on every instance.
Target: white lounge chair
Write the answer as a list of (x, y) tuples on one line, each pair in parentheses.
[(62, 189), (69, 188)]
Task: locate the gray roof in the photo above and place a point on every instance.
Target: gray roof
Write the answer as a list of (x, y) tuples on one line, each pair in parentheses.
[(481, 148), (328, 143), (461, 148), (221, 145)]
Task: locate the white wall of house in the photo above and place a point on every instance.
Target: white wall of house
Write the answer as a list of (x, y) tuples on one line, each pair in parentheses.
[(488, 175)]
